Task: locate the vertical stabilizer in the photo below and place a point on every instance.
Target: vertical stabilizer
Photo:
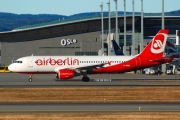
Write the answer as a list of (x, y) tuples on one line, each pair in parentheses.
[(156, 47), (116, 49)]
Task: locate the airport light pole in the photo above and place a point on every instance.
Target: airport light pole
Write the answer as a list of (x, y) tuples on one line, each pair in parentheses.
[(117, 40), (102, 29), (162, 14), (142, 27), (124, 48), (163, 66), (133, 30), (109, 45)]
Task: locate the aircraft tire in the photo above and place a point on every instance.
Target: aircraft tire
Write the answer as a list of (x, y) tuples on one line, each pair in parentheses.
[(85, 79), (30, 79), (57, 76)]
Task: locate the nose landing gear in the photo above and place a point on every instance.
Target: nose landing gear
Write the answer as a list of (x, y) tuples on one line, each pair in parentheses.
[(30, 77)]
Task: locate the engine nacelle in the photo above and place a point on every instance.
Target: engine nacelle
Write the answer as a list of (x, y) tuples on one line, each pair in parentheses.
[(66, 74)]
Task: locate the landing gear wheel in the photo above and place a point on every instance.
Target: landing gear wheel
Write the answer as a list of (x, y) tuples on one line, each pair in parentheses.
[(85, 79), (30, 77), (57, 76)]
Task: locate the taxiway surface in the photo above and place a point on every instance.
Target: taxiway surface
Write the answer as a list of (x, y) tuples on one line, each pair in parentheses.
[(76, 107), (11, 80), (127, 79)]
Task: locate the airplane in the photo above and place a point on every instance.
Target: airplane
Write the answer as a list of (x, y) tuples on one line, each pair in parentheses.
[(172, 52), (116, 49), (176, 61), (67, 67)]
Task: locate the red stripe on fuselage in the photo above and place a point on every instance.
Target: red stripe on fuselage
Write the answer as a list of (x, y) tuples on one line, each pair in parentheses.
[(131, 65)]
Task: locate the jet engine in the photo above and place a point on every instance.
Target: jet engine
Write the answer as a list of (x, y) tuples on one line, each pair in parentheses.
[(66, 74)]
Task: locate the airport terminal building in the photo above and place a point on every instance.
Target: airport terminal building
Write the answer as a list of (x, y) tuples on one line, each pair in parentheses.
[(79, 37)]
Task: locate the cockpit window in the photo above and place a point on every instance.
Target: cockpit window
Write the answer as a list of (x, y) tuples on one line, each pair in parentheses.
[(17, 61)]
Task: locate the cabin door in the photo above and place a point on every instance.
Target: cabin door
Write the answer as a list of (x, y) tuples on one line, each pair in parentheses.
[(138, 61), (30, 62)]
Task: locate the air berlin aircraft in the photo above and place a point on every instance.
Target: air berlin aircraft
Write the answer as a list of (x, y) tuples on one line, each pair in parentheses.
[(67, 67), (171, 51)]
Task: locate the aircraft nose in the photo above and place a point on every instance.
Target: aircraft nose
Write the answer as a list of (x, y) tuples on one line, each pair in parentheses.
[(11, 67)]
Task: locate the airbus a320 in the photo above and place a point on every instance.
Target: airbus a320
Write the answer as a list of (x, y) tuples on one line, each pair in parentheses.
[(67, 67)]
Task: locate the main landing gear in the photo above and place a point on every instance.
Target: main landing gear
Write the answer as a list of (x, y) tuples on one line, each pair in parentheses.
[(30, 77), (85, 77)]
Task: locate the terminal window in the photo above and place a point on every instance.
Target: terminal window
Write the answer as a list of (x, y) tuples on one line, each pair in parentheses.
[(86, 53)]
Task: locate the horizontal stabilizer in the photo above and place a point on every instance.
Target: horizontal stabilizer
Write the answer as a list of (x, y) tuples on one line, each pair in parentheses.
[(160, 60)]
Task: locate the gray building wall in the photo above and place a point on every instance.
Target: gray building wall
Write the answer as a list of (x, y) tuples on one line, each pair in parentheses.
[(86, 42)]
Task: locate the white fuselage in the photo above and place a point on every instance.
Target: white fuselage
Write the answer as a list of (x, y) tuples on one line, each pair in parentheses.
[(50, 64)]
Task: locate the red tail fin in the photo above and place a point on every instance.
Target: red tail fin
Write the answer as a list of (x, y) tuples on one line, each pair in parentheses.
[(155, 49)]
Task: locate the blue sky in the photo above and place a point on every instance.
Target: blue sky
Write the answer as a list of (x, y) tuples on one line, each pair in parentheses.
[(70, 7)]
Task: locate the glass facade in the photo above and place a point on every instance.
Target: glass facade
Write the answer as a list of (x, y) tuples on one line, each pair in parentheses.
[(86, 53), (153, 24), (128, 40), (178, 48)]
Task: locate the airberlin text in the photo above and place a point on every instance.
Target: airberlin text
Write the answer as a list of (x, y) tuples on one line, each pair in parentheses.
[(59, 62)]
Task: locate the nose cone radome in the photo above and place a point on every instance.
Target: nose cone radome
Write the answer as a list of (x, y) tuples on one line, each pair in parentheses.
[(11, 67)]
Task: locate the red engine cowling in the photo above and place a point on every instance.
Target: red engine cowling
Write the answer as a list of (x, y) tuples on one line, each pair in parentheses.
[(66, 74)]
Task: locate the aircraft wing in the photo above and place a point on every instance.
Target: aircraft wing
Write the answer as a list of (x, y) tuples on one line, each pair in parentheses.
[(176, 61), (83, 68), (91, 67)]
